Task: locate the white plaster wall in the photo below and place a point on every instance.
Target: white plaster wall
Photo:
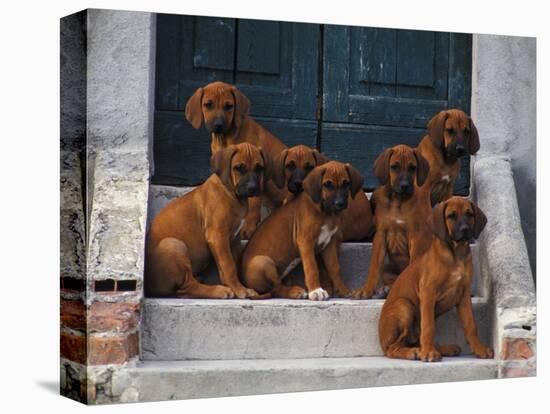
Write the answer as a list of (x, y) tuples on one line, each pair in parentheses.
[(504, 110)]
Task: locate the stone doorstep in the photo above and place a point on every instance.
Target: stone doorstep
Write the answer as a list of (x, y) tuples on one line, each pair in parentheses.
[(354, 264), (173, 380), (185, 329)]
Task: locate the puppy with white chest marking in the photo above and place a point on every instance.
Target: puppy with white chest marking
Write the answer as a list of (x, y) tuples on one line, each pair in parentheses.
[(451, 135), (307, 227)]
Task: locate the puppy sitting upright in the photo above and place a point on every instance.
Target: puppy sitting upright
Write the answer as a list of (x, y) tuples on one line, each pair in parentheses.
[(301, 230), (224, 109), (401, 210), (202, 224), (451, 135), (432, 285), (291, 168)]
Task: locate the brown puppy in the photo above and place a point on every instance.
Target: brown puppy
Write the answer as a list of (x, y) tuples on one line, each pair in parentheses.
[(451, 135), (202, 224), (291, 168), (401, 209), (224, 110), (432, 285), (301, 230)]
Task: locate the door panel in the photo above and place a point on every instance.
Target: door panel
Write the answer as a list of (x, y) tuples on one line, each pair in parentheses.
[(388, 83), (274, 63)]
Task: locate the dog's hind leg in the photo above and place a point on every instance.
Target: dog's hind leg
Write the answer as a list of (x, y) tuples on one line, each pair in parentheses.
[(396, 330), (171, 273), (262, 276)]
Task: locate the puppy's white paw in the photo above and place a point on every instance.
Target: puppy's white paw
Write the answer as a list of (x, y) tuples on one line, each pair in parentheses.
[(318, 294)]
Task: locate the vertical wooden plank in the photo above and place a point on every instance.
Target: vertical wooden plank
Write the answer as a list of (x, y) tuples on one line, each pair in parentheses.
[(336, 73), (415, 58), (441, 65), (460, 71), (305, 69), (381, 60), (258, 47), (214, 46), (167, 61)]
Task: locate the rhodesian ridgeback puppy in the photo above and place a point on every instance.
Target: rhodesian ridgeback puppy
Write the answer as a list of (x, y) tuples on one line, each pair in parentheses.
[(224, 110), (293, 165), (401, 209), (204, 224), (432, 285), (303, 229), (451, 135)]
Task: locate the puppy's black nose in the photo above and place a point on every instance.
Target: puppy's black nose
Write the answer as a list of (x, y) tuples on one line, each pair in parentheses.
[(252, 188), (218, 124), (404, 187), (298, 185), (460, 150), (339, 205), (464, 231)]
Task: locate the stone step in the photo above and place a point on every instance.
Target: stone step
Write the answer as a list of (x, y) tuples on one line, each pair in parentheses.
[(354, 263), (154, 381), (182, 329)]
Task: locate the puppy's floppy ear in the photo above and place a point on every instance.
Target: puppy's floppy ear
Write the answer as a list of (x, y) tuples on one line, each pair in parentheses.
[(313, 183), (480, 220), (193, 109), (356, 179), (278, 168), (382, 166), (436, 127), (422, 168), (242, 106), (320, 159), (473, 143), (439, 227), (221, 164)]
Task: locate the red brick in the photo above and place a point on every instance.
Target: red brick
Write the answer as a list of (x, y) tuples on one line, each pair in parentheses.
[(112, 350), (120, 317), (73, 314), (516, 348), (518, 372), (73, 347)]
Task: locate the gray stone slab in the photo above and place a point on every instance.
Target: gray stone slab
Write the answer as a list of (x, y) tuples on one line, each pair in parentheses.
[(154, 381), (180, 329)]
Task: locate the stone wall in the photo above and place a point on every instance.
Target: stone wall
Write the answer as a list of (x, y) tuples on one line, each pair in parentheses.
[(504, 109), (107, 69)]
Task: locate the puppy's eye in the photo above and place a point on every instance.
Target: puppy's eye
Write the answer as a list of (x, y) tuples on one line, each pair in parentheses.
[(412, 167), (241, 168), (450, 131), (469, 214), (209, 105), (466, 131), (394, 167), (259, 168), (452, 216), (345, 184), (291, 166), (308, 167), (228, 107), (328, 185)]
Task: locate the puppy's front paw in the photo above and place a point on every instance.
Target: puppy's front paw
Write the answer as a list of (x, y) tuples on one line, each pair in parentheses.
[(297, 292), (363, 293), (342, 292), (429, 355), (224, 292), (318, 294), (243, 292), (484, 352)]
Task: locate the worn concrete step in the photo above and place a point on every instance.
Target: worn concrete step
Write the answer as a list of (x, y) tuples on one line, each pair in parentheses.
[(354, 263), (153, 381), (181, 329)]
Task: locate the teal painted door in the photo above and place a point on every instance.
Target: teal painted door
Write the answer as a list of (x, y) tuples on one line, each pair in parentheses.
[(349, 91), (381, 87), (273, 63)]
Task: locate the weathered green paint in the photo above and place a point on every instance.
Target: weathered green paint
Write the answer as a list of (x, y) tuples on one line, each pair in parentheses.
[(379, 87)]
